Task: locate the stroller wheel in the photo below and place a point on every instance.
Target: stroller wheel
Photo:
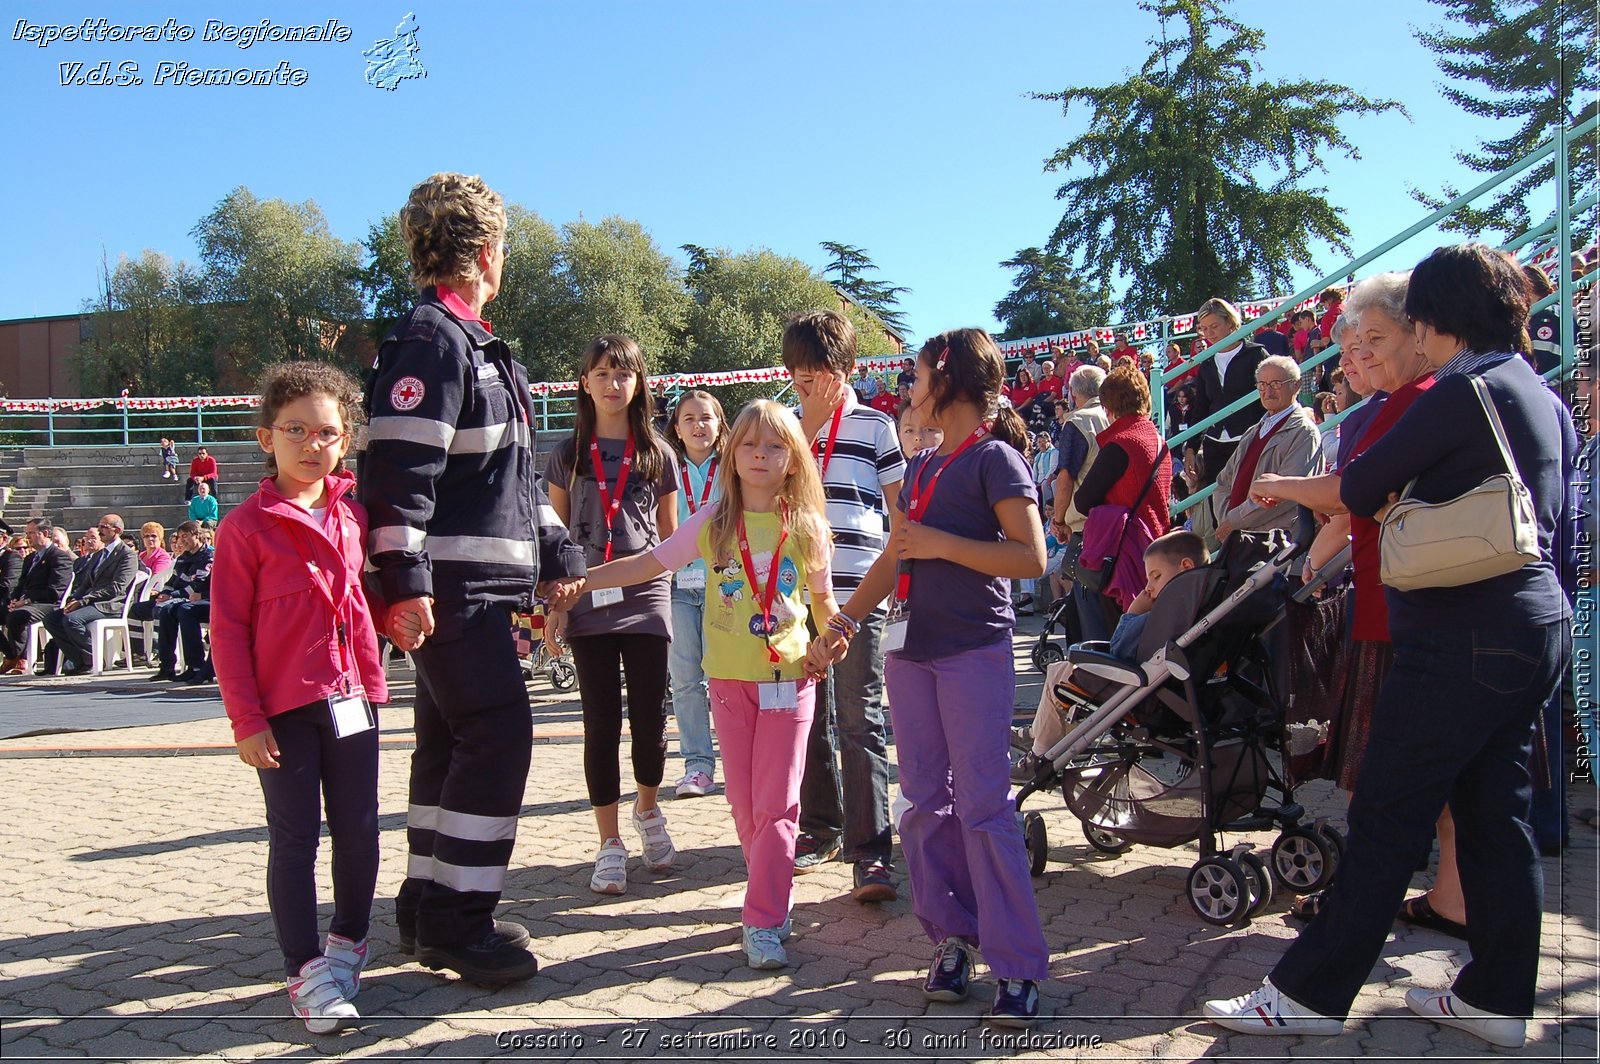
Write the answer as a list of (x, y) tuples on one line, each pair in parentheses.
[(1045, 655), (1303, 860), (563, 676), (1038, 840), (1259, 882), (1218, 892), (1105, 841), (1335, 838)]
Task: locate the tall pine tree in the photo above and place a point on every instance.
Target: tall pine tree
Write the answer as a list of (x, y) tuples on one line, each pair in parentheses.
[(1197, 167), (1529, 62), (1047, 296)]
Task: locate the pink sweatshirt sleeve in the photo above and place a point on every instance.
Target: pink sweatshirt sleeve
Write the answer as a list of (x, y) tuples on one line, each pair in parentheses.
[(233, 596), (683, 546)]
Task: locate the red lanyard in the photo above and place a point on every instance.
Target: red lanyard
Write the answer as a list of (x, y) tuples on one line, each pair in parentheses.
[(768, 595), (705, 488), (825, 453), (917, 505), (340, 606), (610, 504)]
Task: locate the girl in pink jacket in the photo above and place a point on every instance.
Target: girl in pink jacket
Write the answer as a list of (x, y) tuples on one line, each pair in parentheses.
[(296, 656)]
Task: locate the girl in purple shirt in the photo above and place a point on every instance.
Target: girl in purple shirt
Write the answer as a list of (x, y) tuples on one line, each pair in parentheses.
[(971, 524)]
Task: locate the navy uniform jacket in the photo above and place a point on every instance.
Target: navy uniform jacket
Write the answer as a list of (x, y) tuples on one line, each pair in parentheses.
[(448, 478)]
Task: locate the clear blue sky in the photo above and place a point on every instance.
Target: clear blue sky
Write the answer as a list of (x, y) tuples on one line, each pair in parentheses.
[(903, 127)]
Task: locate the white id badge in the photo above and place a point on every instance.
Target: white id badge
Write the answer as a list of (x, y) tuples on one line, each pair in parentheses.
[(781, 695), (352, 714), (606, 596), (692, 579), (894, 629)]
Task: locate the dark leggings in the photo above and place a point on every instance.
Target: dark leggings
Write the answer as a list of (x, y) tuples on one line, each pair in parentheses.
[(644, 659), (313, 765)]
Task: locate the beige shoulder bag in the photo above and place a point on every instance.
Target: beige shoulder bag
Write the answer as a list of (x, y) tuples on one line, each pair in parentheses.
[(1486, 532)]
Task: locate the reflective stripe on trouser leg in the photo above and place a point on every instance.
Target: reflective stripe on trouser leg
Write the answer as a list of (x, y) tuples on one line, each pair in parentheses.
[(468, 776)]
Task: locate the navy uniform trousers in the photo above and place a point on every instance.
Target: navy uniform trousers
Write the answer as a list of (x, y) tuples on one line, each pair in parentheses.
[(474, 743)]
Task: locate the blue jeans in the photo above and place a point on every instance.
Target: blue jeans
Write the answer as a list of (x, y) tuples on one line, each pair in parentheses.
[(850, 701), (686, 667), (1453, 723)]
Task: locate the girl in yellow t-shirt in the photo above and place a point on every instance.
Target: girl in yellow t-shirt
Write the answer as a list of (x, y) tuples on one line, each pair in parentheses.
[(763, 541)]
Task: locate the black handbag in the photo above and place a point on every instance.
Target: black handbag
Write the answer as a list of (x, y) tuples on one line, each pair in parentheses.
[(1094, 577)]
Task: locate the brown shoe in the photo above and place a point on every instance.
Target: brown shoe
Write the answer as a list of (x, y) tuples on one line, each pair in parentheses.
[(12, 667)]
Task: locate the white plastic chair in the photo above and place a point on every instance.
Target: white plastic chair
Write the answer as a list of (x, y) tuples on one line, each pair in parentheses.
[(152, 588), (103, 631), (35, 638)]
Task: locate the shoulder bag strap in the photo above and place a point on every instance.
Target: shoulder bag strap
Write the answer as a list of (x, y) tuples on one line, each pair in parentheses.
[(1493, 414), (1133, 510)]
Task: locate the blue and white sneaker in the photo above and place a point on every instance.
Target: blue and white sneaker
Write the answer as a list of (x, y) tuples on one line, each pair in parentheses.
[(1016, 1004), (1267, 1010), (763, 948), (950, 972)]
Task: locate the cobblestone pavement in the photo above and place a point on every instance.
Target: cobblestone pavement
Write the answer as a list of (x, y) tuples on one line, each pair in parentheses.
[(134, 926)]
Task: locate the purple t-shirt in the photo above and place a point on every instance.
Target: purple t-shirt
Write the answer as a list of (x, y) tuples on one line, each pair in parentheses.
[(954, 608), (645, 608)]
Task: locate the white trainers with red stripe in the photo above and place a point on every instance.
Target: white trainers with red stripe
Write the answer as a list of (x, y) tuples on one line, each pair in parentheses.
[(1267, 1010), (1441, 1006)]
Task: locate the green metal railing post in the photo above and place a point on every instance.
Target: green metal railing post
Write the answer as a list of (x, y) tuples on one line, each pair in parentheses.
[(1564, 248)]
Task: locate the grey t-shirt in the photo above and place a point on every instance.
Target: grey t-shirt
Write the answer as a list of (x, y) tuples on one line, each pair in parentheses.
[(645, 609)]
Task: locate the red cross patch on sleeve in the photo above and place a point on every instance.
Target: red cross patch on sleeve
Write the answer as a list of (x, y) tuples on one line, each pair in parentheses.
[(407, 393)]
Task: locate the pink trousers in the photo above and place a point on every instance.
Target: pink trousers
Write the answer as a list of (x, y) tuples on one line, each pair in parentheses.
[(763, 754)]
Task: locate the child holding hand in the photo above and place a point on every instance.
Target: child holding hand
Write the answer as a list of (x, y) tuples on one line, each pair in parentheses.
[(296, 656), (763, 541)]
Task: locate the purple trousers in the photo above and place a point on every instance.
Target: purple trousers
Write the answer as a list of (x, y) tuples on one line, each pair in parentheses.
[(964, 850)]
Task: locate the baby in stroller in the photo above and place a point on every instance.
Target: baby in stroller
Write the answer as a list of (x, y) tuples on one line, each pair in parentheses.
[(1165, 558)]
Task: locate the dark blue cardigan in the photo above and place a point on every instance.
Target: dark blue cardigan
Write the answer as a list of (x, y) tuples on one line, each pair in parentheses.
[(1444, 440)]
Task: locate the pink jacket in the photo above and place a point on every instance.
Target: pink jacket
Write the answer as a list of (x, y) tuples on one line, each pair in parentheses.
[(273, 641)]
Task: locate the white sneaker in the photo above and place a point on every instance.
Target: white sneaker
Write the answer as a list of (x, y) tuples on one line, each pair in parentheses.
[(659, 853), (1442, 1006), (1268, 1010), (695, 785), (610, 868), (763, 948), (315, 998), (346, 959)]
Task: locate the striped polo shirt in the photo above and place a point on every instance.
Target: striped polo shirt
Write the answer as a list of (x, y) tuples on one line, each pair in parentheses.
[(866, 460)]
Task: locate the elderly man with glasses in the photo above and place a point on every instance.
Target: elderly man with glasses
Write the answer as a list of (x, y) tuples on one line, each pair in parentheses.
[(1285, 441), (98, 590)]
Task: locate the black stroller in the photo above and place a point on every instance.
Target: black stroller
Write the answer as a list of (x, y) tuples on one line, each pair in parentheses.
[(1174, 749), (1063, 618)]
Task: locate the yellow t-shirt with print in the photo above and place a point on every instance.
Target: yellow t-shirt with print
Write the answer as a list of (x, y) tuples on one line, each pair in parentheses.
[(733, 649)]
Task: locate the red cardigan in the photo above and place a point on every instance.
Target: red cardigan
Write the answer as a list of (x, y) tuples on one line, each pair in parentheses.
[(272, 630), (1139, 440), (202, 468)]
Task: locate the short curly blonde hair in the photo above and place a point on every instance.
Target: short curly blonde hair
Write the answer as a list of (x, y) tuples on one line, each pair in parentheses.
[(447, 219)]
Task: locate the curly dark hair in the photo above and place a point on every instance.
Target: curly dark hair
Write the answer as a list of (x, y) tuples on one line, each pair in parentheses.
[(287, 381)]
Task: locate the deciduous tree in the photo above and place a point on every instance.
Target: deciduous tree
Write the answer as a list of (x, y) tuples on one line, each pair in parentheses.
[(279, 285)]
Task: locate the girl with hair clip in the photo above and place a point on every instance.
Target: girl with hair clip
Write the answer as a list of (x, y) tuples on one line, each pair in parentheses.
[(971, 525), (699, 429), (612, 484), (764, 540), (296, 654)]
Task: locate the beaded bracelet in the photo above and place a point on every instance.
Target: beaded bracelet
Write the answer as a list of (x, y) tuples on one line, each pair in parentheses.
[(844, 625)]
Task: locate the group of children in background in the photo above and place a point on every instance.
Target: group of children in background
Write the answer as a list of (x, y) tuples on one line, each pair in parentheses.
[(739, 562)]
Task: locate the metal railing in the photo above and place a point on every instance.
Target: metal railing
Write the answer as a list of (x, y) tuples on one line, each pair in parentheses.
[(1563, 294)]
